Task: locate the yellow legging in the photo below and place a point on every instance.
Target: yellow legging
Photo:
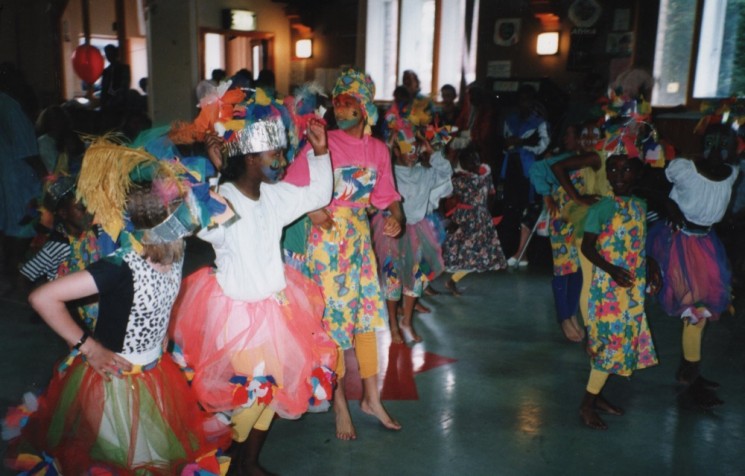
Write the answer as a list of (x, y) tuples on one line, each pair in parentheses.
[(366, 350), (584, 296), (257, 416), (692, 334), (597, 381), (458, 275)]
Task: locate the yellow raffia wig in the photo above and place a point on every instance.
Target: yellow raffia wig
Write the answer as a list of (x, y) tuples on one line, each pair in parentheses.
[(105, 180)]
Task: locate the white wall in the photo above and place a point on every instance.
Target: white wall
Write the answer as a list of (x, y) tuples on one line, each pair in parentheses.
[(172, 44)]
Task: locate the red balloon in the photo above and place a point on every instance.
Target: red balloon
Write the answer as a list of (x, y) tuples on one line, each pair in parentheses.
[(87, 63)]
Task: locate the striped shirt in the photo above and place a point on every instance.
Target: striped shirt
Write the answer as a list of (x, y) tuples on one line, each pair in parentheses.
[(47, 261)]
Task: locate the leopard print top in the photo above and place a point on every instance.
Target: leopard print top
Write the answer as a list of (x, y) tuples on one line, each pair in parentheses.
[(154, 295)]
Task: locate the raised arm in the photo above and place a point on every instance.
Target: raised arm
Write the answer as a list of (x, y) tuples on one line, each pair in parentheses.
[(562, 168), (299, 199)]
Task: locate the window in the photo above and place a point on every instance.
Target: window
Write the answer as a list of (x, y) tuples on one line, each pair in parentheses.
[(391, 50), (719, 66), (232, 51), (214, 53)]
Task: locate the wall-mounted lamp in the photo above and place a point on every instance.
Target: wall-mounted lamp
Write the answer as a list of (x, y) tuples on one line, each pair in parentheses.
[(304, 48), (548, 43)]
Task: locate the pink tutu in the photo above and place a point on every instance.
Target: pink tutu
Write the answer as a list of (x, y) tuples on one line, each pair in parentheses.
[(695, 272), (410, 262), (274, 351)]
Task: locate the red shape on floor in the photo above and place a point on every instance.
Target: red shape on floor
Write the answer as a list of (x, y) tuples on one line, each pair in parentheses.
[(398, 365)]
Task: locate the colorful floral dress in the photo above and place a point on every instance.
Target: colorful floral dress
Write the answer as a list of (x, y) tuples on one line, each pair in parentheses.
[(619, 337), (83, 251), (341, 259), (409, 262), (474, 245), (561, 232)]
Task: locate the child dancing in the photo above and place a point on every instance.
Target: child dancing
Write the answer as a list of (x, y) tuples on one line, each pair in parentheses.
[(697, 276), (619, 340), (116, 405), (407, 264), (340, 254), (251, 328), (567, 279), (584, 181), (474, 244)]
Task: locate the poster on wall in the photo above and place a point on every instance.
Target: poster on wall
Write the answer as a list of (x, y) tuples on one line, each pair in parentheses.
[(581, 43), (499, 69), (507, 31)]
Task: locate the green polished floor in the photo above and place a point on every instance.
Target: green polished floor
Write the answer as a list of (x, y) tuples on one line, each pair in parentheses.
[(493, 390)]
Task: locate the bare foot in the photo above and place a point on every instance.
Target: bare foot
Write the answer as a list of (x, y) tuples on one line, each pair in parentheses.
[(377, 410), (605, 406), (396, 337), (570, 332), (419, 307), (591, 419), (410, 332), (580, 328), (430, 291), (450, 285), (344, 427)]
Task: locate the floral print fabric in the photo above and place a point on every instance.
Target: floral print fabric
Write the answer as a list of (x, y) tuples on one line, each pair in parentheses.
[(619, 337), (561, 232), (342, 262), (474, 245)]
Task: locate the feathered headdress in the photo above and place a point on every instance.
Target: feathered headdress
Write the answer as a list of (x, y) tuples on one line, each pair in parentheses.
[(628, 131), (304, 105), (108, 172), (726, 111), (216, 106)]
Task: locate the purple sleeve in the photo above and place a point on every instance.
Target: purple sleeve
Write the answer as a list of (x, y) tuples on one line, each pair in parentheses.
[(384, 192)]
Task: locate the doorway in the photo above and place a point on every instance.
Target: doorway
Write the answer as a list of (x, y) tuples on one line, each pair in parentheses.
[(232, 51)]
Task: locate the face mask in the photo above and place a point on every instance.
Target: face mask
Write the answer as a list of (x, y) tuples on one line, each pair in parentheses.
[(274, 171), (347, 113), (345, 124), (272, 174)]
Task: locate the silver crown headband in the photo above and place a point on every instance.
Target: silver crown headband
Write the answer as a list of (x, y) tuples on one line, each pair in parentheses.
[(258, 136)]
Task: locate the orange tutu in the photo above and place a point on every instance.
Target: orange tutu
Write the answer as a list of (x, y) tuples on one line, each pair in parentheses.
[(143, 423), (274, 351)]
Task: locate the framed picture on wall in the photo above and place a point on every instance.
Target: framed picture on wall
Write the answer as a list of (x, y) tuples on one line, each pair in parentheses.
[(620, 44), (581, 44), (621, 19), (507, 31)]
